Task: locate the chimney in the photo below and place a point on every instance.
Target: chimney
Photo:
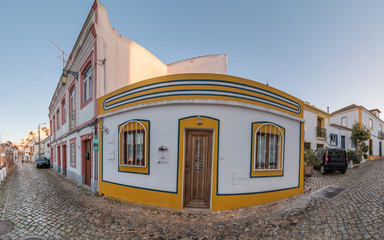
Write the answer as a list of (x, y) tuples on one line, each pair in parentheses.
[(327, 109)]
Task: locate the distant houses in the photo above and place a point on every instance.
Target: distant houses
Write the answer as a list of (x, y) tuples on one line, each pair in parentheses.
[(8, 157), (323, 129), (33, 146)]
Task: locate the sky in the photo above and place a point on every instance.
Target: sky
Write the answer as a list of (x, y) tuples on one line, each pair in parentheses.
[(329, 53)]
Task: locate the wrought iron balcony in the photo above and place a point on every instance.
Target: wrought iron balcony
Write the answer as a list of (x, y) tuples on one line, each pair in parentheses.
[(380, 134), (321, 132)]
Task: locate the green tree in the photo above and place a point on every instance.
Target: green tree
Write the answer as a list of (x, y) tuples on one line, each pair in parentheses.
[(360, 134)]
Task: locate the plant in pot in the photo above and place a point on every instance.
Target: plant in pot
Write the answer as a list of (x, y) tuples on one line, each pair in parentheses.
[(353, 158), (309, 158)]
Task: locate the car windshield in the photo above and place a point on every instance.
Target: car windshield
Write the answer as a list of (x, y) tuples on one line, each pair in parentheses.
[(41, 160)]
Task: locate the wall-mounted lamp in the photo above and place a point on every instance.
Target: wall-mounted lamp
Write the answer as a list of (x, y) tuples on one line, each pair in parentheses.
[(199, 120), (64, 76), (104, 129)]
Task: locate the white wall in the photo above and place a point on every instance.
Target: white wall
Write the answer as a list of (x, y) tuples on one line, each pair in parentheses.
[(207, 64), (234, 149), (352, 117)]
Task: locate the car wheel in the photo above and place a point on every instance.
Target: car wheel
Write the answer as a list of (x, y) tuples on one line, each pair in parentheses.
[(322, 170), (343, 171)]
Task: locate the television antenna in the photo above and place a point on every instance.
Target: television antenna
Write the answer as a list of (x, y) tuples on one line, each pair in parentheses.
[(63, 57)]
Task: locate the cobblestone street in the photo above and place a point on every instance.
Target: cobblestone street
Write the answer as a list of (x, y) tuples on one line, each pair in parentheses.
[(40, 202)]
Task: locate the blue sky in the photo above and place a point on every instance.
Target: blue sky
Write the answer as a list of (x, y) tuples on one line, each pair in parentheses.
[(330, 53)]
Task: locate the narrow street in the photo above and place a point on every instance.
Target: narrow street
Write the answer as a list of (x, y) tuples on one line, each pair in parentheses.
[(39, 202)]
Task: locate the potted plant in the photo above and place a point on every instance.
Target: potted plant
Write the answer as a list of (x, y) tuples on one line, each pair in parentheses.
[(353, 158), (309, 157)]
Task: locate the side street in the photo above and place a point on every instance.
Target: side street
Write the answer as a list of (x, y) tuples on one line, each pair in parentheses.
[(43, 203)]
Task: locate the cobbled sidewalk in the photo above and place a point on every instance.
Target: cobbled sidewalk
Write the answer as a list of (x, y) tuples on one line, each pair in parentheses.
[(43, 203)]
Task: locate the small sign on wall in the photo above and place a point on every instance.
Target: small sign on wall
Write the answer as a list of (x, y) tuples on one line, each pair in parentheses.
[(163, 154), (96, 144)]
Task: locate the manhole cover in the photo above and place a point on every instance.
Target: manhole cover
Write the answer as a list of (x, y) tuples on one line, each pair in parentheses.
[(5, 227), (329, 192), (33, 238)]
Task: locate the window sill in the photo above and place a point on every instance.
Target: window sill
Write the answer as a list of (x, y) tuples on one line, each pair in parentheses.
[(138, 169), (86, 103), (320, 138), (271, 173)]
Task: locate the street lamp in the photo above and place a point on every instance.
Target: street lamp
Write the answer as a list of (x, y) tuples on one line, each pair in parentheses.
[(64, 76)]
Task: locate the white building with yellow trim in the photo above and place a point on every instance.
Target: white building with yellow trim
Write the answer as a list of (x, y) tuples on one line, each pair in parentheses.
[(316, 134), (344, 118), (200, 140)]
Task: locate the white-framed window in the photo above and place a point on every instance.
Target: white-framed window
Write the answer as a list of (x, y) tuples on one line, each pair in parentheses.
[(133, 153), (333, 139), (72, 101), (58, 118), (63, 111), (380, 128), (267, 149), (370, 123), (87, 84), (72, 152), (344, 121)]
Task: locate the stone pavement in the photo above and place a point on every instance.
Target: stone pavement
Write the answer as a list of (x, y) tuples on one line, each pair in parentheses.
[(42, 203)]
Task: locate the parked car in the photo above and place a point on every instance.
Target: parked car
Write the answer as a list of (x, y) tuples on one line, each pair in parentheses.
[(43, 162), (330, 159)]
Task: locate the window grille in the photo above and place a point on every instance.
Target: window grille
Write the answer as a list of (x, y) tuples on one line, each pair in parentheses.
[(268, 142), (73, 154), (133, 136)]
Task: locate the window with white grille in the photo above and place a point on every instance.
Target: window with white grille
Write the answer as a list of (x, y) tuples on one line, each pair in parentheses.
[(268, 143), (73, 153), (133, 146)]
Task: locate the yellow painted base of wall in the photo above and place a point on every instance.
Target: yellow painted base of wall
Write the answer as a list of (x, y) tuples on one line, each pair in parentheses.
[(373, 157), (240, 201), (174, 200), (141, 196)]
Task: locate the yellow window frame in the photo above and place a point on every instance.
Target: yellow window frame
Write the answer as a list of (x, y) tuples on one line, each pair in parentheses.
[(267, 172), (143, 125)]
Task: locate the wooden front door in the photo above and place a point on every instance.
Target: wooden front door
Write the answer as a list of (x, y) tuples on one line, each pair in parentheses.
[(198, 168), (87, 159)]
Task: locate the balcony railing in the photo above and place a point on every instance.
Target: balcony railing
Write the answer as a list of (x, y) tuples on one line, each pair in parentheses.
[(380, 134), (321, 132), (72, 121)]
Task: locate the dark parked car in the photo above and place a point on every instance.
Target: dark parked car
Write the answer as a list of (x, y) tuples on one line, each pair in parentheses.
[(43, 162), (330, 159)]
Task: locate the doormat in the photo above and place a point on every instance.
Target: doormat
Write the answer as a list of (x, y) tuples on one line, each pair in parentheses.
[(329, 192), (5, 227)]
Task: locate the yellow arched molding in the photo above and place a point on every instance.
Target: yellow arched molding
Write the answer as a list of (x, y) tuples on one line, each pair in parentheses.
[(200, 86)]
